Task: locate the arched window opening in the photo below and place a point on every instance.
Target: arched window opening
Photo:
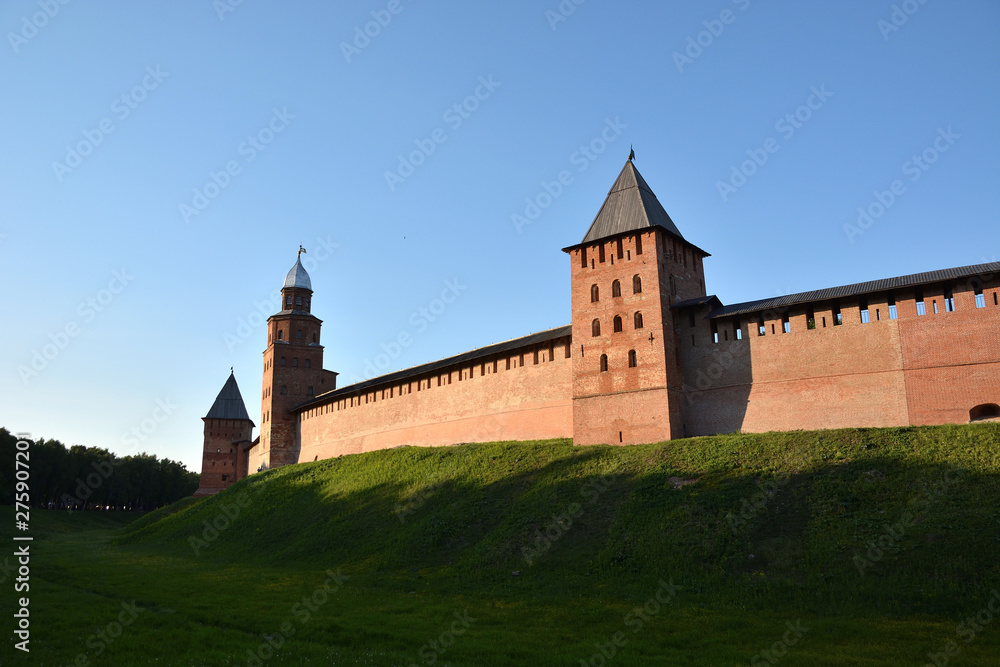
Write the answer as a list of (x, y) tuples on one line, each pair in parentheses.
[(284, 390), (618, 323), (595, 294), (295, 362), (308, 363), (298, 334), (984, 411), (616, 288), (604, 363), (636, 284), (595, 328), (288, 300), (282, 362), (281, 334), (310, 391), (638, 320), (314, 338), (631, 359)]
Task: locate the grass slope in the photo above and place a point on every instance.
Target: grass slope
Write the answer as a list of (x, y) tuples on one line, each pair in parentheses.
[(878, 540)]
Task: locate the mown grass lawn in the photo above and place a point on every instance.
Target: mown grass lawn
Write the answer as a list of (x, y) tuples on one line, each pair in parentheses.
[(708, 551)]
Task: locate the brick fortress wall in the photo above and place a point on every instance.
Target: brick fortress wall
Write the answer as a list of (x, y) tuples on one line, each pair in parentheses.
[(915, 369), (522, 394)]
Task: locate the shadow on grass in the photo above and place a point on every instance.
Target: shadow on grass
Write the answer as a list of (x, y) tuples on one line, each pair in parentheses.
[(887, 520)]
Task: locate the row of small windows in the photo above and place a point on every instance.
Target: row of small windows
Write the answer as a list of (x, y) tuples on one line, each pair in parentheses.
[(298, 335), (616, 289), (298, 301), (632, 361), (864, 311), (595, 326), (620, 252), (677, 252), (295, 362)]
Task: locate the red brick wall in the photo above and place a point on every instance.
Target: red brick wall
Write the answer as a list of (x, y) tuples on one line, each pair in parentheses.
[(278, 444), (911, 370), (220, 453), (474, 402), (636, 399)]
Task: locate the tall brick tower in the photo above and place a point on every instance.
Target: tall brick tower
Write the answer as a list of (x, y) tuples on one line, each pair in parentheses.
[(293, 370), (631, 266), (228, 430)]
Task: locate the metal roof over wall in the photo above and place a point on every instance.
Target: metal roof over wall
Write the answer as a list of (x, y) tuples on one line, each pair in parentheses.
[(858, 289), (441, 364)]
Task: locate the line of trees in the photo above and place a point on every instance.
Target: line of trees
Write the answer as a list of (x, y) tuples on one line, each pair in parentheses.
[(81, 477)]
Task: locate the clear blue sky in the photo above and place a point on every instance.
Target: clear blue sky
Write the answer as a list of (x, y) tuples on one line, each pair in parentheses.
[(330, 121)]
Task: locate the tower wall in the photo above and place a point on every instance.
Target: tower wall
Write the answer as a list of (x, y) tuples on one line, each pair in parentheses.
[(622, 404), (221, 453), (293, 374)]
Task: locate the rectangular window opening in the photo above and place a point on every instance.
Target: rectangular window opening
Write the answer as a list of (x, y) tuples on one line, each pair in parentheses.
[(600, 253), (980, 298), (863, 307), (638, 244), (715, 332)]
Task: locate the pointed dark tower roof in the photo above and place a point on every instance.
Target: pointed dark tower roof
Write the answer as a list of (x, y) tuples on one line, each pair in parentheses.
[(229, 403), (629, 206)]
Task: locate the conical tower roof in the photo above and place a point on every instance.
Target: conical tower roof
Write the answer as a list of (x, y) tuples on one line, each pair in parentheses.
[(298, 277), (229, 403), (630, 206)]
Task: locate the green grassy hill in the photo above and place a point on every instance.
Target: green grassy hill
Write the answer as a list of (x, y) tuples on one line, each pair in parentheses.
[(848, 547), (875, 519)]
